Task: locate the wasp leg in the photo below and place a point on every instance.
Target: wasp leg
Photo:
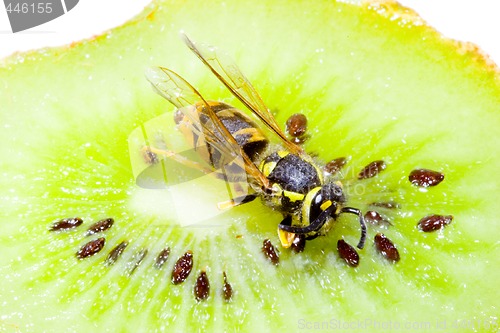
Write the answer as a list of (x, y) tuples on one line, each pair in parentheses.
[(362, 223), (314, 226), (151, 154), (237, 201)]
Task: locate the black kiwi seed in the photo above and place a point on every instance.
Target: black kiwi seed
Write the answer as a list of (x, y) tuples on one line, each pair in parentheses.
[(162, 257), (100, 226), (348, 253), (91, 248), (136, 261), (387, 204), (182, 268), (298, 243), (115, 253), (386, 247), (296, 125), (202, 287), (375, 218), (300, 140), (335, 165), (425, 177), (227, 290), (270, 252), (434, 222), (372, 169), (67, 223)]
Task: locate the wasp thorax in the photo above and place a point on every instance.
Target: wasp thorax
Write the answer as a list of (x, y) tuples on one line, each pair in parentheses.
[(294, 174)]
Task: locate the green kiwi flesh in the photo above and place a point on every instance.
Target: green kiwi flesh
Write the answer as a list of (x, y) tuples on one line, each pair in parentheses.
[(373, 84)]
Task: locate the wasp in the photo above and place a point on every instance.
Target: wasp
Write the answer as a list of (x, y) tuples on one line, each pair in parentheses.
[(283, 175)]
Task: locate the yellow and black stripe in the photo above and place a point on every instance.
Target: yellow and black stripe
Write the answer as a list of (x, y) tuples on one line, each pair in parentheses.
[(246, 133)]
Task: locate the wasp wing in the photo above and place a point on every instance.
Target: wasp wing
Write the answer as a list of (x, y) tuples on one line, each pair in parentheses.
[(231, 76), (183, 95)]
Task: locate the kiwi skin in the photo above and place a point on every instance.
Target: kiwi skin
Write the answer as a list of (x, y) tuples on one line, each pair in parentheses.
[(378, 88)]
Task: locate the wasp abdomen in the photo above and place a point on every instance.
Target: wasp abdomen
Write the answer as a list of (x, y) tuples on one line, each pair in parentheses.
[(246, 133)]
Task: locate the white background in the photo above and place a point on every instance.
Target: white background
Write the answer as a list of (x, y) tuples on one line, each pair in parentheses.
[(469, 20)]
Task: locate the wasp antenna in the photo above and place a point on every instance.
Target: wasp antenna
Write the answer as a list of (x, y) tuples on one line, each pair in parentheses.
[(362, 223)]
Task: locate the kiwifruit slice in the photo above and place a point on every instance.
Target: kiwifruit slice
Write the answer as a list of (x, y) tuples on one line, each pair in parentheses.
[(375, 83)]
